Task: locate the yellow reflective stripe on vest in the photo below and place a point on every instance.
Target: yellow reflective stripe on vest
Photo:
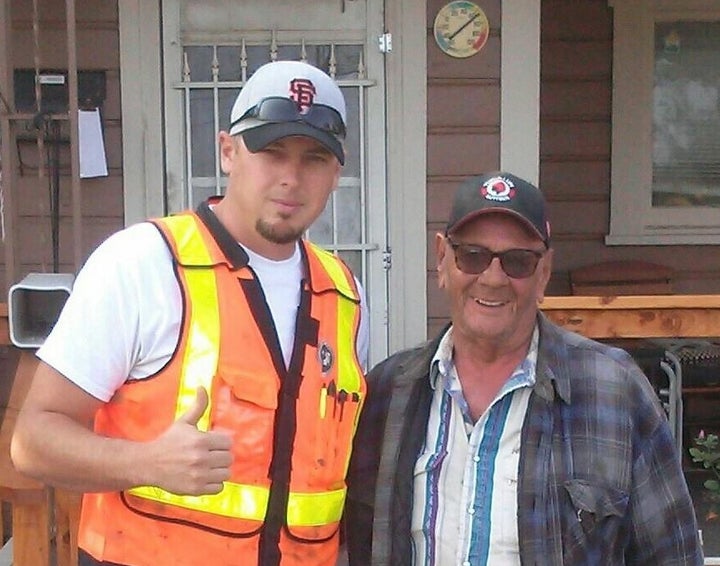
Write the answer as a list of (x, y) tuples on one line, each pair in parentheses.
[(315, 509), (250, 502), (236, 501), (348, 377), (200, 361)]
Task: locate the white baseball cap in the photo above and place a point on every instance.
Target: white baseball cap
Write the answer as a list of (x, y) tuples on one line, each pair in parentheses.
[(290, 98)]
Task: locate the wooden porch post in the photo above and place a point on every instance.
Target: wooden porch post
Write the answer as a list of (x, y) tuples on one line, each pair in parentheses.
[(74, 134), (7, 145)]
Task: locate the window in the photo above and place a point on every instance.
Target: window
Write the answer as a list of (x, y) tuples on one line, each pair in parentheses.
[(665, 183)]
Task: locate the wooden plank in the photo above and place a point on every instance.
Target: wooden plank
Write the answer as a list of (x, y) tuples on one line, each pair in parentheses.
[(641, 316), (31, 534), (31, 499), (8, 157), (67, 519), (632, 302)]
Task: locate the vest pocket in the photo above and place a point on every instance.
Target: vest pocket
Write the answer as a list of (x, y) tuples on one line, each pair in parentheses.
[(245, 404), (260, 390)]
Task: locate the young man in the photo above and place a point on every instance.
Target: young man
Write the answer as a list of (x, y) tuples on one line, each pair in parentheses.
[(203, 381), (507, 439)]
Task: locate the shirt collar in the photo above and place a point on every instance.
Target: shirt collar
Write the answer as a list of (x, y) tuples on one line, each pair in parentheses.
[(442, 364), (233, 252)]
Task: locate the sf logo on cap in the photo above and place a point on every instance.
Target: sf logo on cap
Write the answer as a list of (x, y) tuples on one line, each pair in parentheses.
[(302, 91), (498, 189)]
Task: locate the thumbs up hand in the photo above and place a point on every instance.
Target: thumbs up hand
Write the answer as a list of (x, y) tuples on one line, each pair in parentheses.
[(186, 461)]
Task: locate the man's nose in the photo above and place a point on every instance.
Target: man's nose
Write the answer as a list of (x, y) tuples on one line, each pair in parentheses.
[(290, 172), (494, 272)]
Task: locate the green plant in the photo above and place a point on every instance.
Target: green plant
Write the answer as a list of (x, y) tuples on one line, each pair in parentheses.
[(707, 452)]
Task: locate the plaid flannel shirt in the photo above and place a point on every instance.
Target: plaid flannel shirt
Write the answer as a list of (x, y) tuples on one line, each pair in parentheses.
[(600, 480)]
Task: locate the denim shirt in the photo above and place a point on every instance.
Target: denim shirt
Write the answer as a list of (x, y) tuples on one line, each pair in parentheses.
[(600, 480)]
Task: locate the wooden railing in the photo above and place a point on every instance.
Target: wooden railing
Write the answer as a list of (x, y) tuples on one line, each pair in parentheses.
[(44, 520), (637, 316)]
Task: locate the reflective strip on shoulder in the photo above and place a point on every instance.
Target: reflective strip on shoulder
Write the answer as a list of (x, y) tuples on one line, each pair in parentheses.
[(203, 326), (200, 359), (189, 243), (335, 270)]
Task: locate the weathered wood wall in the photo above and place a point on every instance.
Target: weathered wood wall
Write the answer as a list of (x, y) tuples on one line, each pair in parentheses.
[(102, 198), (575, 144), (463, 131)]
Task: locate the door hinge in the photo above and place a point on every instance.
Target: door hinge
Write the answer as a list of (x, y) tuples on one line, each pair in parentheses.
[(385, 43), (387, 259)]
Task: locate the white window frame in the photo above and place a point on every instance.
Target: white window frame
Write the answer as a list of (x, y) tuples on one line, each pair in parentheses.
[(633, 220)]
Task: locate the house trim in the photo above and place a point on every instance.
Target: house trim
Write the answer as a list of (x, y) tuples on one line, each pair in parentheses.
[(406, 84), (520, 88), (141, 95)]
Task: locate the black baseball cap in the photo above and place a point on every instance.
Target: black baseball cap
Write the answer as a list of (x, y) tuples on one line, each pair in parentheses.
[(500, 192)]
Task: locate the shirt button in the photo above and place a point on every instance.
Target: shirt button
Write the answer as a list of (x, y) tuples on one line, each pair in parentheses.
[(476, 458), (471, 511), (466, 563)]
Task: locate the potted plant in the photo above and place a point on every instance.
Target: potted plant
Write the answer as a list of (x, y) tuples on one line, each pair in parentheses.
[(706, 451)]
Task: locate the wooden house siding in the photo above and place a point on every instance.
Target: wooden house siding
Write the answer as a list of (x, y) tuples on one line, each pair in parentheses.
[(463, 138), (97, 48), (575, 147), (463, 132)]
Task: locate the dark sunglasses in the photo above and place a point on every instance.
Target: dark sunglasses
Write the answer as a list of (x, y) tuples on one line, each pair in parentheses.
[(474, 260), (278, 109)]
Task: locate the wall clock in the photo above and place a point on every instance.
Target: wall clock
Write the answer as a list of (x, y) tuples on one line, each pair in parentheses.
[(461, 28)]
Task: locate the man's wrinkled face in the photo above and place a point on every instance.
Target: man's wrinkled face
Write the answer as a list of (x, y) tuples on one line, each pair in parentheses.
[(491, 306)]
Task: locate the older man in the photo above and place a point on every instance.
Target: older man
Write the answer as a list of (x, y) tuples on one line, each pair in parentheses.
[(507, 440)]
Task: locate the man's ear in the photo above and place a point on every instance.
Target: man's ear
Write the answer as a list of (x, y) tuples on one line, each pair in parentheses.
[(441, 248), (546, 267), (338, 171), (228, 148)]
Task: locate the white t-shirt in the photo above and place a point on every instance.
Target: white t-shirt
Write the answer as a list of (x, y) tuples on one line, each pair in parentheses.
[(123, 317)]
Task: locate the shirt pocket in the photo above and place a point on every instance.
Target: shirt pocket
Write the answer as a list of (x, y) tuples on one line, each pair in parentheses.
[(595, 518), (426, 478)]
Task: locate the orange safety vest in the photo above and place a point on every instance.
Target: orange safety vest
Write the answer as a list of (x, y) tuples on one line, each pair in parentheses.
[(284, 499)]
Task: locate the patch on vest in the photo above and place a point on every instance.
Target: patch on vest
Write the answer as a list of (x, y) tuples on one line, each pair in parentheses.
[(325, 356)]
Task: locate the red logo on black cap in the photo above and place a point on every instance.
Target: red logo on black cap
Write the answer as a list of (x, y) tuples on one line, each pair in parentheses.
[(498, 189), (302, 91)]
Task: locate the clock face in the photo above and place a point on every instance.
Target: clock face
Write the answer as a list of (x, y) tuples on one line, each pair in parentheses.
[(461, 28)]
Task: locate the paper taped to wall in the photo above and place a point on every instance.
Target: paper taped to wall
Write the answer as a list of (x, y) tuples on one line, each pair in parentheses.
[(93, 162)]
